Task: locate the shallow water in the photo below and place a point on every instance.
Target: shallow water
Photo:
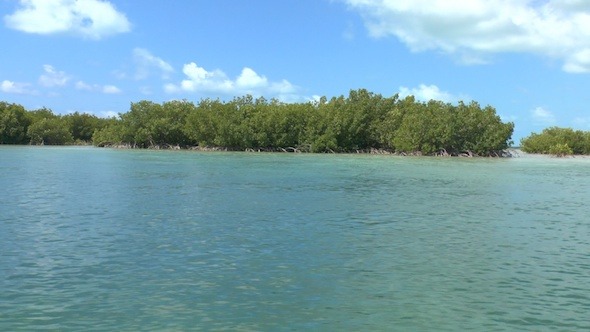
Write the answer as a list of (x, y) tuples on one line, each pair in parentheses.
[(99, 239)]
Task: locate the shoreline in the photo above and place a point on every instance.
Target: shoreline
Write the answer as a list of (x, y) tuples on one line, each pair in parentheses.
[(513, 152), (508, 153)]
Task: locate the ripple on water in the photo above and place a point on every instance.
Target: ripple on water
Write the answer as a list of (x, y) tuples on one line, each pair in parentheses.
[(138, 240)]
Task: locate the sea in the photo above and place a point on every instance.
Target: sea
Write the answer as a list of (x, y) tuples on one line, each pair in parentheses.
[(95, 239)]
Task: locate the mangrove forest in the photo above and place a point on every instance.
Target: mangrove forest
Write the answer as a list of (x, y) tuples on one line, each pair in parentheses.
[(360, 122), (558, 141)]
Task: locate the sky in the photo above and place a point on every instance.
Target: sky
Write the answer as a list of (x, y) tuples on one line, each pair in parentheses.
[(529, 59)]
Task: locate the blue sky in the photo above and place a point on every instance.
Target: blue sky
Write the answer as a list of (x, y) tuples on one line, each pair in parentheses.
[(528, 59)]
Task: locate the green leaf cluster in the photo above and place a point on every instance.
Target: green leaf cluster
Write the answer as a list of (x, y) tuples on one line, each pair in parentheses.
[(147, 124), (360, 121), (558, 141), (14, 124), (42, 126)]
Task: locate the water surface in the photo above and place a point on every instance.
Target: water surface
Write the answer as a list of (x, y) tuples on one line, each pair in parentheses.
[(99, 239)]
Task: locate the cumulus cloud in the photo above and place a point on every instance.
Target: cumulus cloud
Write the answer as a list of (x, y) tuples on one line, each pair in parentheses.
[(111, 89), (426, 92), (248, 79), (14, 87), (200, 80), (88, 18), (542, 116), (146, 62), (108, 89), (108, 114), (474, 30), (53, 77), (80, 85)]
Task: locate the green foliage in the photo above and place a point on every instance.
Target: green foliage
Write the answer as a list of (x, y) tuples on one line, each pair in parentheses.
[(42, 113), (48, 128), (111, 134), (360, 121), (148, 124), (14, 123), (561, 150), (215, 123), (437, 127), (82, 126), (42, 126), (420, 127), (558, 141), (348, 123), (49, 131), (481, 130)]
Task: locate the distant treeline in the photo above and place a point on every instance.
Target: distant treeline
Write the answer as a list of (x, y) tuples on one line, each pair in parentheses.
[(558, 141), (18, 126), (363, 121)]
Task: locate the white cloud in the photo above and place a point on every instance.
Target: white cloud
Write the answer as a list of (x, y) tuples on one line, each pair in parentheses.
[(426, 93), (248, 79), (107, 114), (283, 87), (89, 18), (315, 98), (146, 61), (542, 116), (53, 77), (200, 80), (578, 62), (14, 87), (108, 89), (473, 30), (83, 86)]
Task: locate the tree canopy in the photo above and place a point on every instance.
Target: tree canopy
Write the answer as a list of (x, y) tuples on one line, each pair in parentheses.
[(361, 121), (14, 123), (558, 141), (42, 126)]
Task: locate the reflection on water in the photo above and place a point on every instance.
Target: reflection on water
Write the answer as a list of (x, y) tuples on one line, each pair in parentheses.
[(157, 240)]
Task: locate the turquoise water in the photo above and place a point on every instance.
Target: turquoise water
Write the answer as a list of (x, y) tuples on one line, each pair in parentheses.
[(99, 239)]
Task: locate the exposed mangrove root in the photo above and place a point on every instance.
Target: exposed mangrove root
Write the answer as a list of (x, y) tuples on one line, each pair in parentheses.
[(442, 153), (307, 149)]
